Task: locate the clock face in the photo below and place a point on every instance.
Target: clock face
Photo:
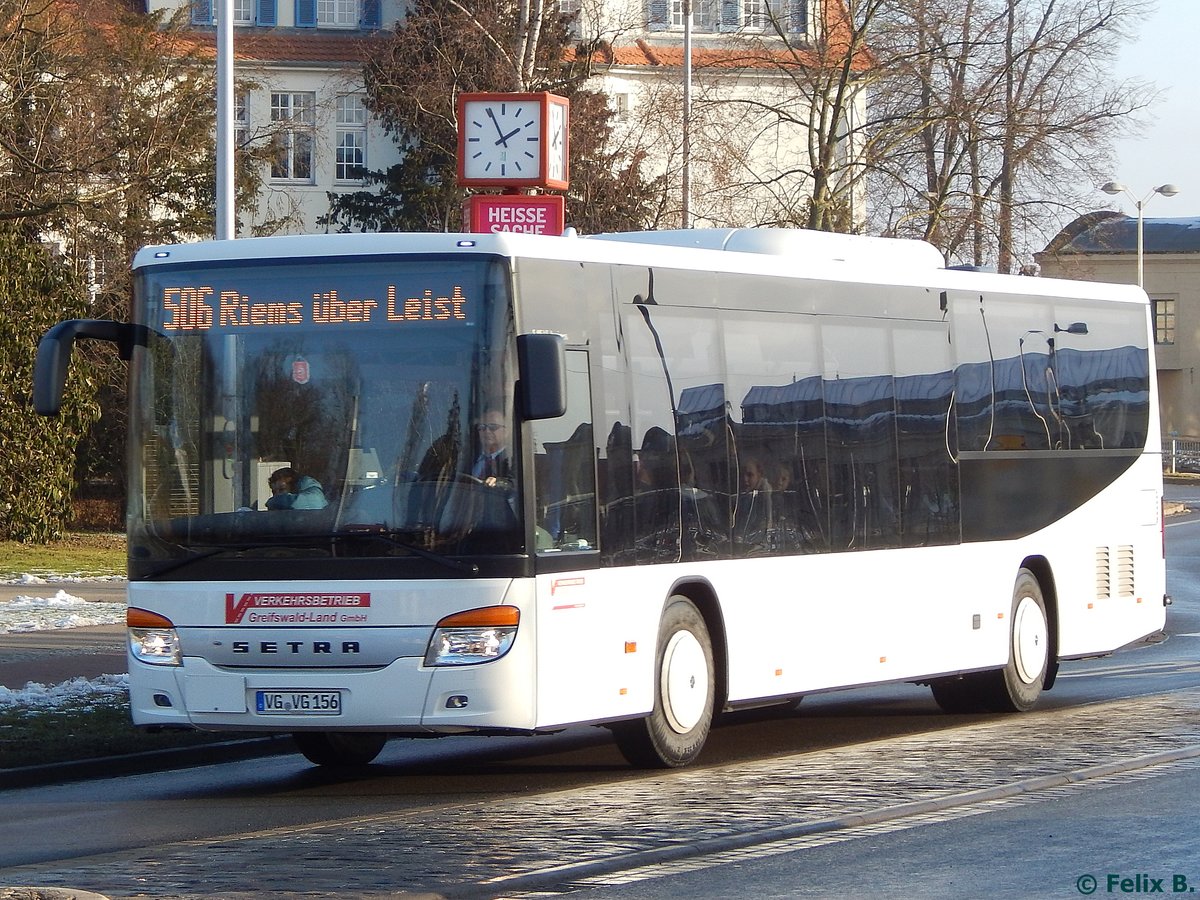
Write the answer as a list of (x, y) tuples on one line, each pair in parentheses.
[(556, 136), (502, 139)]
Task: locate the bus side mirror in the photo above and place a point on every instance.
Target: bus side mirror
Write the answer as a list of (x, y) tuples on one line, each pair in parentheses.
[(542, 373), (54, 356)]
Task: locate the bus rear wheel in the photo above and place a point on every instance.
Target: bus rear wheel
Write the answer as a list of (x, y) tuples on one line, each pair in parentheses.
[(1017, 687), (684, 690), (339, 748)]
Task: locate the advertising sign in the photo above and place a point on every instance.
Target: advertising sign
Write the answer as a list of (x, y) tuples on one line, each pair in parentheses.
[(524, 213)]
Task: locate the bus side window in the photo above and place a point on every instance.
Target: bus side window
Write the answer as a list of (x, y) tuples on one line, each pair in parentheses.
[(565, 469)]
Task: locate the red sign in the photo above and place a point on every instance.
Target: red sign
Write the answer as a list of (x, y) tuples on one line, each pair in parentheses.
[(523, 213), (300, 373)]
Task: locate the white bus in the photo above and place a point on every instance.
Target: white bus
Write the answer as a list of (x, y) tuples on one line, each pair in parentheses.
[(724, 469)]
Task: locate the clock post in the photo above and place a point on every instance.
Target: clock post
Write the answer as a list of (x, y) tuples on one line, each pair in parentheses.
[(518, 142)]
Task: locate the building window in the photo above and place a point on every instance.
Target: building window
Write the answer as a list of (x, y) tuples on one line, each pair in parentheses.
[(572, 11), (337, 13), (241, 120), (1164, 319), (704, 15), (709, 16), (763, 15), (294, 117), (243, 12), (351, 138)]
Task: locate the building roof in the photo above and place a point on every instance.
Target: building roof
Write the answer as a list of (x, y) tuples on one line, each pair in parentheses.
[(743, 55), (293, 45), (1108, 232)]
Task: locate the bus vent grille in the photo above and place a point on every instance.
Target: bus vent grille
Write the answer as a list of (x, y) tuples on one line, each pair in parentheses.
[(1124, 572), (1114, 572)]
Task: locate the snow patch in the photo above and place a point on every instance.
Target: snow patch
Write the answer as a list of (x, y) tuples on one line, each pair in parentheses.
[(78, 693), (28, 613)]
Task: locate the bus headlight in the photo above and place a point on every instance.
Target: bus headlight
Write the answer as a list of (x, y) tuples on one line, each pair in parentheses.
[(474, 636), (152, 638)]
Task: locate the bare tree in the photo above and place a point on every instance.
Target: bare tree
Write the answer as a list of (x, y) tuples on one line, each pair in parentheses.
[(106, 118), (1005, 109)]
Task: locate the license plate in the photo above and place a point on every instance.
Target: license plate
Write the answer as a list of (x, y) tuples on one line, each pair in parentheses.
[(298, 703)]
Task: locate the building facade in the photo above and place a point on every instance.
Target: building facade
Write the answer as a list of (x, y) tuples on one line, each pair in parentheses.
[(1102, 246), (757, 73), (301, 98)]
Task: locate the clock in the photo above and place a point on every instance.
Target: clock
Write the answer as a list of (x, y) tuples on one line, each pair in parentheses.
[(512, 140), (556, 142)]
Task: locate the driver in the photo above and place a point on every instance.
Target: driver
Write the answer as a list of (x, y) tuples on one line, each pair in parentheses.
[(494, 462)]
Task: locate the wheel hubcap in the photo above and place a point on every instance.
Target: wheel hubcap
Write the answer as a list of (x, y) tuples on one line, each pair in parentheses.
[(1030, 640), (684, 682)]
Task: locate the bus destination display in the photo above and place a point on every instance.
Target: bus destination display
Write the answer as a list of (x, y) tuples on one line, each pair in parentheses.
[(203, 308)]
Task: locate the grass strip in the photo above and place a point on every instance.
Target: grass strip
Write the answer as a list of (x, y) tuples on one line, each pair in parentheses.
[(79, 553), (86, 725)]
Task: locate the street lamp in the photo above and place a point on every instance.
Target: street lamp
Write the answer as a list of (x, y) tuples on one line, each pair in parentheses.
[(1115, 187)]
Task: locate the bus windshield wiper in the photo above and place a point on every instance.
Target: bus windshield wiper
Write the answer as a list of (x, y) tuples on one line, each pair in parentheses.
[(177, 564), (215, 548), (389, 536)]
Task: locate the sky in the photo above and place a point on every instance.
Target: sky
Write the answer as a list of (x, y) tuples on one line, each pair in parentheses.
[(1163, 53)]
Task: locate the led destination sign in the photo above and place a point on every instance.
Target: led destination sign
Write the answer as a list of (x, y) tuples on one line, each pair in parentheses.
[(203, 308)]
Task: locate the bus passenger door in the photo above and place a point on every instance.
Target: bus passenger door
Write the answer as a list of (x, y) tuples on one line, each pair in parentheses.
[(575, 651)]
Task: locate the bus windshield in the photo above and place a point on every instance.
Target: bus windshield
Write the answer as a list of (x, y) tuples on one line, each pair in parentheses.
[(317, 408)]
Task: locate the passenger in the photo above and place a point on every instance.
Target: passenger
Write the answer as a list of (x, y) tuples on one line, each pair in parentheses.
[(785, 508), (753, 519), (291, 490)]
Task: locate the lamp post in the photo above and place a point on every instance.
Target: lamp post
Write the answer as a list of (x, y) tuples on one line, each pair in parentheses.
[(685, 212), (1115, 187)]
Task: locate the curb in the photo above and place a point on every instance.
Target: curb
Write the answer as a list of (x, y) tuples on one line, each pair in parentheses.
[(144, 763)]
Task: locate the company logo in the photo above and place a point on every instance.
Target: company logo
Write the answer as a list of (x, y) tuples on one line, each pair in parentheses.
[(297, 609)]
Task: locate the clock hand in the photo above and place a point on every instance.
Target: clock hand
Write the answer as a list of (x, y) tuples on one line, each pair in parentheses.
[(503, 138)]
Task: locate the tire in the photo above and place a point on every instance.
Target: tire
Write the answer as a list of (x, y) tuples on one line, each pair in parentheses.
[(339, 748), (684, 694), (1017, 687)]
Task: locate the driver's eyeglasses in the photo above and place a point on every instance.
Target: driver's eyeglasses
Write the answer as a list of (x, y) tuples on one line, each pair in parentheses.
[(493, 427)]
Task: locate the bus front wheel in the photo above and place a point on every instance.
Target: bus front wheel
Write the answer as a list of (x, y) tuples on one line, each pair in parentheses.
[(684, 690), (339, 748)]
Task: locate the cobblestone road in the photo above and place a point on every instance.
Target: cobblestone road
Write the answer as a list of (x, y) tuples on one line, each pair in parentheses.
[(495, 848)]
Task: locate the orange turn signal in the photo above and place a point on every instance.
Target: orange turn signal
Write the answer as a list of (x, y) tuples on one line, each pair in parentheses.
[(143, 618), (484, 617)]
